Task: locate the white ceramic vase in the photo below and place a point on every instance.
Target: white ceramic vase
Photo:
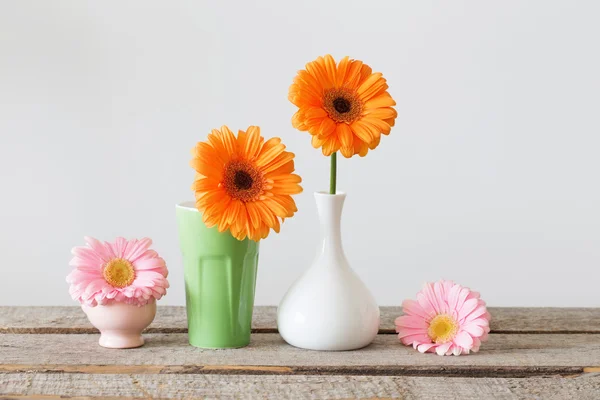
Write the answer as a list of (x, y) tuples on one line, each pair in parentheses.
[(329, 307), (121, 324)]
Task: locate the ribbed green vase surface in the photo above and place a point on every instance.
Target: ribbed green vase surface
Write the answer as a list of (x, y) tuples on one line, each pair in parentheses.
[(220, 279)]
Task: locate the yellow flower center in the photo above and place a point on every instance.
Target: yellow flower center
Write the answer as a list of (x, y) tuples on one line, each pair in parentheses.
[(442, 329), (342, 105), (119, 273), (243, 181)]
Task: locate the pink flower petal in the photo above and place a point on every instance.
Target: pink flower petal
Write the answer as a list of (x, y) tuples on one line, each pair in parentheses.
[(481, 322), (158, 291), (474, 330), (451, 350), (411, 307), (423, 348), (438, 290), (432, 299), (462, 297), (88, 256), (133, 252), (408, 340), (410, 321), (98, 248), (94, 286), (116, 248), (402, 332), (463, 339), (478, 312), (149, 274), (473, 295), (467, 308), (453, 296), (447, 285), (149, 263), (425, 304), (476, 344), (457, 350), (443, 348)]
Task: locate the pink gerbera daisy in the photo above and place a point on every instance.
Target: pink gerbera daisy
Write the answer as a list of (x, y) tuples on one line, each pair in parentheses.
[(123, 271), (446, 318)]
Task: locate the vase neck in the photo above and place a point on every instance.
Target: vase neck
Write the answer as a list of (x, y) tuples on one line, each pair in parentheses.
[(330, 215)]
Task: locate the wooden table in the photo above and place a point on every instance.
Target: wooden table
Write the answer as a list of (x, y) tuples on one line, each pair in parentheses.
[(541, 353)]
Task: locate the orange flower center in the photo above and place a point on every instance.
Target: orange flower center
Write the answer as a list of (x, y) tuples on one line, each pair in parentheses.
[(243, 181), (119, 273), (342, 105), (442, 329)]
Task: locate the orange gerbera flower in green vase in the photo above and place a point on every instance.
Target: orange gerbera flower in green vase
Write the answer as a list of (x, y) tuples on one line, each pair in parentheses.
[(243, 190), (346, 108)]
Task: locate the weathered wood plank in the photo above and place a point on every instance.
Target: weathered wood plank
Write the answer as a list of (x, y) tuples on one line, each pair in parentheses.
[(20, 386), (512, 355), (173, 320)]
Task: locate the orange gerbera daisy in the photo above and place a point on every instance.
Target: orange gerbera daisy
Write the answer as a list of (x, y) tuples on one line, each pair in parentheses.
[(344, 107), (244, 184)]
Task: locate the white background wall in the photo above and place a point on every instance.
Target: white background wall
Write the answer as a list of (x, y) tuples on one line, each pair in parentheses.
[(490, 177)]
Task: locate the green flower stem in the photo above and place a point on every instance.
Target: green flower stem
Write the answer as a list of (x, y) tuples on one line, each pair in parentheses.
[(333, 174)]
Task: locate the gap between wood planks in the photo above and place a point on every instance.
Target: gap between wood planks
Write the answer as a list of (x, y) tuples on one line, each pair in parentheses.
[(370, 370), (172, 319)]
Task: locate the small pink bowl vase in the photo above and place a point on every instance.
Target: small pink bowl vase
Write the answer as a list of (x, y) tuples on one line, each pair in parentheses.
[(121, 324)]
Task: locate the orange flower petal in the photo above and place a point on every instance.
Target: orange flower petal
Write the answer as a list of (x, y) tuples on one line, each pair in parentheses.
[(280, 160), (253, 215), (330, 146), (288, 188), (360, 147), (298, 121), (253, 142), (342, 69), (363, 131), (291, 178), (365, 72), (210, 198), (270, 150), (381, 125), (372, 87), (383, 100), (284, 170), (317, 69), (344, 134), (327, 127), (381, 113), (353, 74), (330, 68), (374, 143), (204, 185)]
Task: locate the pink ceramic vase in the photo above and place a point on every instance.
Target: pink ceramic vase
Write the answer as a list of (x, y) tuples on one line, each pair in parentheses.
[(121, 324)]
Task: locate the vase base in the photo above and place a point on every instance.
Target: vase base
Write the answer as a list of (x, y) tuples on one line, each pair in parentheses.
[(319, 348), (208, 347), (121, 341)]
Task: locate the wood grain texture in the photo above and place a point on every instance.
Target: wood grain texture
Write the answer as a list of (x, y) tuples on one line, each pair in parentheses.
[(509, 355), (51, 386), (171, 319)]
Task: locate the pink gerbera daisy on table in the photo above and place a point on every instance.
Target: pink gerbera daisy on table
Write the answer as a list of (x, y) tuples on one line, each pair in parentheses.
[(124, 271), (446, 319)]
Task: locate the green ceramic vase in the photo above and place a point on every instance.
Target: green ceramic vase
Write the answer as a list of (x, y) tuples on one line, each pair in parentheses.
[(220, 279)]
